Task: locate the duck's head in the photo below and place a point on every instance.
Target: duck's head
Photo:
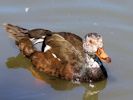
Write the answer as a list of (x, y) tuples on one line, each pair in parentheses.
[(93, 45)]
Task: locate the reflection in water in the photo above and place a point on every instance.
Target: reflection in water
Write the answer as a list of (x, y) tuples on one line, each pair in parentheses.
[(91, 90)]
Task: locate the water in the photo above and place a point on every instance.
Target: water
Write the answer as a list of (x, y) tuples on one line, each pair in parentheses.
[(113, 19)]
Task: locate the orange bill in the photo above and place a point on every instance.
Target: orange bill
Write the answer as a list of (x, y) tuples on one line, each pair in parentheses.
[(103, 56)]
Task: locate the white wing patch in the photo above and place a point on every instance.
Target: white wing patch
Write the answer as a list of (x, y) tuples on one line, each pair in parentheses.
[(38, 41), (35, 41), (59, 59), (56, 56), (32, 39), (47, 48), (38, 44)]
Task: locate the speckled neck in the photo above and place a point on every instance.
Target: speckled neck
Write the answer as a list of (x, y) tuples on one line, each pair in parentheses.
[(93, 69), (89, 55)]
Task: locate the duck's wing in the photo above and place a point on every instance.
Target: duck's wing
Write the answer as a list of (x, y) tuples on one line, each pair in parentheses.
[(18, 33), (62, 48), (62, 59), (72, 38)]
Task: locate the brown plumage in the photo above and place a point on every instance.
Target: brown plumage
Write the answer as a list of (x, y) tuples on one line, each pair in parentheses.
[(68, 56), (65, 62)]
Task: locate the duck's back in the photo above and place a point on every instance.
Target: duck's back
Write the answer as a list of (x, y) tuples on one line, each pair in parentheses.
[(74, 39), (64, 59), (61, 60)]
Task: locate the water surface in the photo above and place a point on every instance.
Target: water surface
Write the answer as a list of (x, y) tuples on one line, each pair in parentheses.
[(113, 19)]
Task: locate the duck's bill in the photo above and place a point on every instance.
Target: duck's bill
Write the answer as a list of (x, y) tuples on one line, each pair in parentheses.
[(103, 56)]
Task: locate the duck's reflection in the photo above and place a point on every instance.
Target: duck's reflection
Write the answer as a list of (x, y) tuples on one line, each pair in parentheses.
[(91, 90)]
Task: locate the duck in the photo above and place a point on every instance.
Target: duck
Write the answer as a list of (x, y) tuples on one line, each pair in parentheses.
[(62, 54)]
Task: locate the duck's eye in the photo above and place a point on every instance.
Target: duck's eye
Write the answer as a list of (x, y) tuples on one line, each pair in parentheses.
[(91, 41)]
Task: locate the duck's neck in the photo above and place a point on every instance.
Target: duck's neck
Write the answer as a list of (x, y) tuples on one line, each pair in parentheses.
[(93, 69), (91, 60)]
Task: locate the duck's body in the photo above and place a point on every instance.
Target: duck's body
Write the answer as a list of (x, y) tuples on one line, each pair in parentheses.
[(62, 54)]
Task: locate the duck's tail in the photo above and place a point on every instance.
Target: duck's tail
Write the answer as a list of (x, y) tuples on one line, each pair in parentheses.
[(15, 32), (21, 37)]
